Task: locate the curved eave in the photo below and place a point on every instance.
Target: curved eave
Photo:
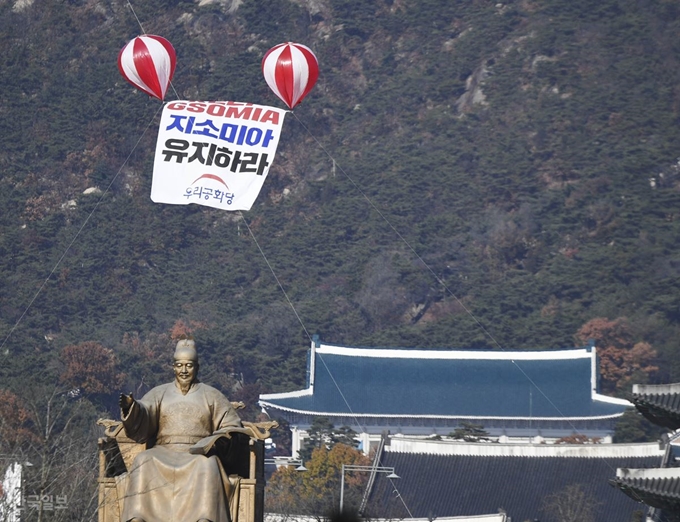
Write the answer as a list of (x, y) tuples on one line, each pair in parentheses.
[(265, 405), (661, 500), (288, 395), (659, 416), (611, 400)]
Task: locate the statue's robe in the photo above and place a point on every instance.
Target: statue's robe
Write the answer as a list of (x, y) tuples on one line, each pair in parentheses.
[(166, 483)]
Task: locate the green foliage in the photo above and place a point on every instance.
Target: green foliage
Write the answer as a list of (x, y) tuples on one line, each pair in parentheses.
[(323, 435), (463, 175), (633, 427), (470, 432)]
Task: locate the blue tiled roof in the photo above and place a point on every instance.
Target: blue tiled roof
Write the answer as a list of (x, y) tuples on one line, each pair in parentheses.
[(379, 382)]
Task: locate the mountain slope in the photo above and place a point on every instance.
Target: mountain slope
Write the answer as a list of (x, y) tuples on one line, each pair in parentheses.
[(464, 174)]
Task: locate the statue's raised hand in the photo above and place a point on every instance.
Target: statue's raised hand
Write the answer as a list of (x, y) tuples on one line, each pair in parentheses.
[(126, 402)]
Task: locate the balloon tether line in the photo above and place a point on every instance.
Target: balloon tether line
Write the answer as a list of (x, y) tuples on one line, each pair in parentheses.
[(271, 269), (136, 18), (297, 315), (278, 281), (82, 227), (437, 278)]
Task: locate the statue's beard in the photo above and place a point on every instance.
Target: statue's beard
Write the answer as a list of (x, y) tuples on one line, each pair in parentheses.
[(184, 386)]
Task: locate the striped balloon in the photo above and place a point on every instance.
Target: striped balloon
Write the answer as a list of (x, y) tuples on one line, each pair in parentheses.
[(148, 62), (290, 70)]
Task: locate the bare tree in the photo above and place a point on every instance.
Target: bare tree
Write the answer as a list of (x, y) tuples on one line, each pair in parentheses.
[(571, 504), (59, 457)]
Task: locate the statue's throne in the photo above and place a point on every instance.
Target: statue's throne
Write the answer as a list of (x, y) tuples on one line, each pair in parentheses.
[(242, 457)]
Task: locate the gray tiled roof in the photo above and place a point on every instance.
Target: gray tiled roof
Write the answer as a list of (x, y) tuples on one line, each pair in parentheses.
[(659, 488), (451, 485), (659, 403)]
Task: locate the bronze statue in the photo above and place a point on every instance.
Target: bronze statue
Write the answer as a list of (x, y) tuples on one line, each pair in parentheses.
[(180, 421)]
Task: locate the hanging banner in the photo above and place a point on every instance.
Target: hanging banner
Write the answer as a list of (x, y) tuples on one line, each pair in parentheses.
[(215, 154)]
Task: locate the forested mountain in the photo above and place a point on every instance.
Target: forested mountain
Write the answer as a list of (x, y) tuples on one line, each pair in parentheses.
[(464, 174)]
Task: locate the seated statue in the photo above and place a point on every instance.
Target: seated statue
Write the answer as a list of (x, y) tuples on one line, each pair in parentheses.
[(177, 479)]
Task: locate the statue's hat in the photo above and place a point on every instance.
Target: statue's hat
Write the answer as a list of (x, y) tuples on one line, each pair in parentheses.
[(186, 350)]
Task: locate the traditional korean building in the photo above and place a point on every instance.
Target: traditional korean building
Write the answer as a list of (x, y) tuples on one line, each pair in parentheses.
[(515, 395), (658, 488), (660, 403), (525, 481)]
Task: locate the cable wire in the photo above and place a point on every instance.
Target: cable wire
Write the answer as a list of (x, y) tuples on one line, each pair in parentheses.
[(82, 227), (337, 166)]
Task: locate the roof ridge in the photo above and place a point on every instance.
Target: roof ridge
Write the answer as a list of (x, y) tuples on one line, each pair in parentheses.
[(455, 448), (454, 354)]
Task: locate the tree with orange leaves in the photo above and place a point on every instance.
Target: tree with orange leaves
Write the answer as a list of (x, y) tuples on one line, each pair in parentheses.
[(91, 368), (183, 330), (16, 423), (578, 438), (317, 490), (622, 359)]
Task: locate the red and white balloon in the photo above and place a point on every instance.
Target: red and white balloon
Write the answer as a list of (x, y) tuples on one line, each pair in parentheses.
[(148, 62), (290, 70)]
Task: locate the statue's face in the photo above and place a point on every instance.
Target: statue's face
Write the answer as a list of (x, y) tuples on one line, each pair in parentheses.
[(185, 371)]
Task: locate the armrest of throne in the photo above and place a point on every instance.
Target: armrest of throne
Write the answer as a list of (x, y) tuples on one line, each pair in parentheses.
[(241, 450), (116, 449)]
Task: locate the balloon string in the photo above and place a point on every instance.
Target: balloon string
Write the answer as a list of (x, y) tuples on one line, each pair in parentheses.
[(330, 374), (82, 227), (297, 315), (446, 288), (278, 281), (436, 277), (337, 166), (135, 15)]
